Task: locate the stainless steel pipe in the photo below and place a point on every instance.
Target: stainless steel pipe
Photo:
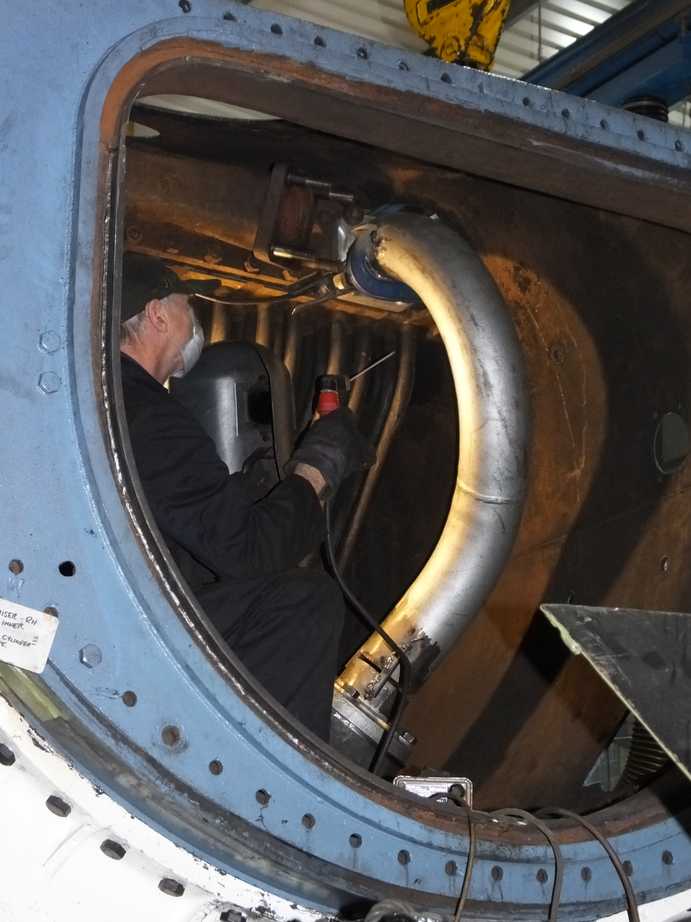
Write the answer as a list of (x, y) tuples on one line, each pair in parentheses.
[(487, 366)]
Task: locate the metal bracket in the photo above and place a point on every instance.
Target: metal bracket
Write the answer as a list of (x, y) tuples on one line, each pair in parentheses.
[(302, 221), (645, 658), (438, 788)]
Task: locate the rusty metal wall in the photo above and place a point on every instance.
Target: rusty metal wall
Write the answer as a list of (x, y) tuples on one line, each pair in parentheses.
[(600, 303)]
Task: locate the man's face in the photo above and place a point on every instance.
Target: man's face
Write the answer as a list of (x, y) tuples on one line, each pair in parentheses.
[(180, 319), (185, 336)]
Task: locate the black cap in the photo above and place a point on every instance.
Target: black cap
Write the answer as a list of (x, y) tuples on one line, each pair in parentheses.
[(145, 278)]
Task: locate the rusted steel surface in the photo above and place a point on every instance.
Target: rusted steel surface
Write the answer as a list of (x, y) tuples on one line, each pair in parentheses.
[(475, 137), (156, 181), (600, 304)]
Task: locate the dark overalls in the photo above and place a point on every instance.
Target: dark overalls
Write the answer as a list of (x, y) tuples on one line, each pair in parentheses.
[(240, 552)]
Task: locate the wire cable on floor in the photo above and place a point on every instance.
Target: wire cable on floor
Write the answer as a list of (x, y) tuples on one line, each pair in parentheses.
[(530, 818), (631, 905), (469, 865)]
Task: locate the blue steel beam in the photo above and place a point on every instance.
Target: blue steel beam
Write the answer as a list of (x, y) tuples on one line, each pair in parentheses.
[(645, 50)]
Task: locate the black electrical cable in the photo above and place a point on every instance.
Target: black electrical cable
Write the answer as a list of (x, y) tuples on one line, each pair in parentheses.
[(516, 813), (469, 865), (631, 905), (405, 669)]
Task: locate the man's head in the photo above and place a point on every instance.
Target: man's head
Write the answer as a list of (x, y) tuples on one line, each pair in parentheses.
[(159, 326)]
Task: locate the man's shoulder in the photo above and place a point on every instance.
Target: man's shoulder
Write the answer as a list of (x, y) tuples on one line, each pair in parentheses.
[(150, 407)]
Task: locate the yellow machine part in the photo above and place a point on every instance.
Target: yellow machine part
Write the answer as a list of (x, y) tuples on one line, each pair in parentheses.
[(462, 31)]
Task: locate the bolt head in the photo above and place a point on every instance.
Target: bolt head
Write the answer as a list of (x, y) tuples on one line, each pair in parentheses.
[(49, 382), (90, 656), (49, 342)]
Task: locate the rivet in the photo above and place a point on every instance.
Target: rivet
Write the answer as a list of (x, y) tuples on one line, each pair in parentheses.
[(185, 6), (604, 123), (355, 840), (171, 735), (542, 876), (229, 17), (628, 869), (129, 699), (679, 146), (451, 868), (319, 41), (133, 234), (58, 806), (7, 757), (49, 382), (557, 355), (526, 101), (665, 565), (215, 767), (446, 78), (565, 113), (403, 65), (404, 857), (113, 850), (15, 566), (362, 54), (586, 874), (667, 858), (497, 873), (263, 797), (49, 342), (90, 656), (641, 134), (308, 821), (171, 887), (276, 29)]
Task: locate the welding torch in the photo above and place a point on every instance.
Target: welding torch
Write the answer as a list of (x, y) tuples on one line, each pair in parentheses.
[(332, 390)]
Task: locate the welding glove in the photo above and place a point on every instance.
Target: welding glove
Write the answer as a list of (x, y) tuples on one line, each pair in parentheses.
[(334, 445)]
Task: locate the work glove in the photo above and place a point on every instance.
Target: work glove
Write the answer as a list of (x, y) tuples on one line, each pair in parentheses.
[(334, 445)]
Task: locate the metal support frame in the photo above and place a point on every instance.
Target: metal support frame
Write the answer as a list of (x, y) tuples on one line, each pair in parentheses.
[(642, 51), (280, 813)]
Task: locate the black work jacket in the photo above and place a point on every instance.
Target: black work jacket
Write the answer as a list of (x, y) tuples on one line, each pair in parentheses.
[(214, 523)]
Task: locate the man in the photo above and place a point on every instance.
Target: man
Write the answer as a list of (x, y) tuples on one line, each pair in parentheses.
[(239, 553)]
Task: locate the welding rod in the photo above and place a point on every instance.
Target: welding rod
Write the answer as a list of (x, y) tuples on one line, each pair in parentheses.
[(372, 365)]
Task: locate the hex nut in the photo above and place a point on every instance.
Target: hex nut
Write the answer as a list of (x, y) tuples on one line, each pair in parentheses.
[(49, 382), (90, 656), (49, 342)]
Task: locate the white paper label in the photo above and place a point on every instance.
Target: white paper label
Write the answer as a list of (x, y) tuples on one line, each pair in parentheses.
[(26, 636)]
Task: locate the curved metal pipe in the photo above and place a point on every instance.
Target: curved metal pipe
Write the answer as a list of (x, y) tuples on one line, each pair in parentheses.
[(487, 367)]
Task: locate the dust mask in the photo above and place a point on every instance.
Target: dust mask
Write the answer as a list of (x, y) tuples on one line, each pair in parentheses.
[(191, 350)]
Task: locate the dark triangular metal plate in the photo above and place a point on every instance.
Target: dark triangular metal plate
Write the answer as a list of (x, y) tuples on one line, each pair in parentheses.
[(645, 657)]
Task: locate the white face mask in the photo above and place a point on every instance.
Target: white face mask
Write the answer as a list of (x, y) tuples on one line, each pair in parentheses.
[(191, 350)]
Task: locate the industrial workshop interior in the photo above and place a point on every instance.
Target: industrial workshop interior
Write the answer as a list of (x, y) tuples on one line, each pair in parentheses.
[(462, 227)]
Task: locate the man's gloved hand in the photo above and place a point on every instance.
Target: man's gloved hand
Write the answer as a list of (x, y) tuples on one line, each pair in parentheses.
[(334, 445)]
